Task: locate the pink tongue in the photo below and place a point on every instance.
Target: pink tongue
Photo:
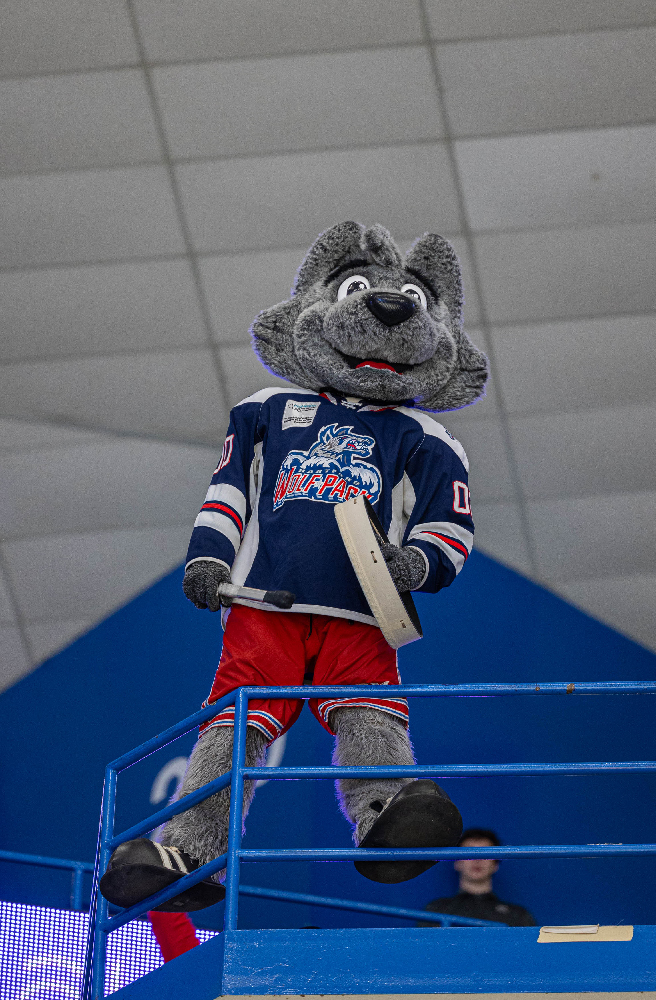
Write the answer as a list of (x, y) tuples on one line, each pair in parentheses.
[(375, 364)]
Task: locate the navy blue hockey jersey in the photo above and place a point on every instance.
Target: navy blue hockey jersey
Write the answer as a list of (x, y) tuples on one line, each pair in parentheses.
[(290, 455)]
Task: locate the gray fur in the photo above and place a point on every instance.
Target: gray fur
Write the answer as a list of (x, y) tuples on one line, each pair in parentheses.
[(407, 565), (201, 583), (306, 339), (367, 736), (203, 830)]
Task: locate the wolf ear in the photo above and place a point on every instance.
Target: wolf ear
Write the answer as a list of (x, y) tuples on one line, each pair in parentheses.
[(434, 259), (327, 252)]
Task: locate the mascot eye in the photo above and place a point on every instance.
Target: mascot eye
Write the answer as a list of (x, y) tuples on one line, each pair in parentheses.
[(415, 292), (356, 283)]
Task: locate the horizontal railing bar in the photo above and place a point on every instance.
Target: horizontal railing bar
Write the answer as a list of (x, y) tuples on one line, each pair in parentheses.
[(159, 741), (444, 770), (454, 690), (445, 853), (186, 882), (442, 919), (43, 862), (174, 809)]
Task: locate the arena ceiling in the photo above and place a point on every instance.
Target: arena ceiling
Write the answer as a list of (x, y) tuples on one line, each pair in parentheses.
[(164, 165)]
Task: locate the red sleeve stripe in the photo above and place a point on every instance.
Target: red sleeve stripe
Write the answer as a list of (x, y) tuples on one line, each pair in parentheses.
[(449, 541), (224, 509)]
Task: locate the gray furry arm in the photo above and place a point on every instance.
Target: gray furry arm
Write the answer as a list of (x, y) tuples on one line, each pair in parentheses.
[(201, 583), (406, 564)]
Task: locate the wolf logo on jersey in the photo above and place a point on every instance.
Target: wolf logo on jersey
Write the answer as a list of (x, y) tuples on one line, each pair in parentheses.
[(332, 470)]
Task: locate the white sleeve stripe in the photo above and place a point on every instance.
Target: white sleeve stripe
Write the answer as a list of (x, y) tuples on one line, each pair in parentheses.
[(457, 558), (433, 429), (230, 495), (219, 522), (446, 528)]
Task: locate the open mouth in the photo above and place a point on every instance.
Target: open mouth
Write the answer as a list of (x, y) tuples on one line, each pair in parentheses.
[(384, 366)]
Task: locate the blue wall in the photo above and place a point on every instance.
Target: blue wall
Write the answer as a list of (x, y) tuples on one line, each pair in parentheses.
[(152, 662)]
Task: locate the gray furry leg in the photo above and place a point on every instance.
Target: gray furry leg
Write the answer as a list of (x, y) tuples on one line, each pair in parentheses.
[(202, 831), (367, 736)]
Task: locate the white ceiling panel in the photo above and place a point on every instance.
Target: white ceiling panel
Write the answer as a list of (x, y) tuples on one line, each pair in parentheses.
[(118, 484), (268, 202), (76, 121), (87, 576), (489, 475), (87, 216), (14, 663), (47, 35), (604, 270), (472, 309), (577, 364), (302, 102), (560, 179), (172, 395), (206, 30), (550, 82), (481, 18), (237, 287), (626, 603), (245, 374), (19, 435), (65, 312), (594, 536), (499, 533), (588, 452), (47, 638)]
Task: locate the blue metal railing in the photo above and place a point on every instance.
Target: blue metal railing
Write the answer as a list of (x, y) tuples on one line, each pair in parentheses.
[(77, 869), (100, 924)]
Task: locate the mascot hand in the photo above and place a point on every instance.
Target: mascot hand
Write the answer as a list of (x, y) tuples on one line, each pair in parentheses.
[(201, 583), (407, 565)]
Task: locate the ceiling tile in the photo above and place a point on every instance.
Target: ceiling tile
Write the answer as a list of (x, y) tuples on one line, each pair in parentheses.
[(626, 603), (561, 179), (61, 312), (560, 274), (587, 452), (87, 216), (48, 638), (577, 364), (19, 435), (237, 287), (81, 120), (174, 31), (87, 576), (481, 18), (549, 82), (270, 202), (500, 534), (172, 395), (14, 663), (301, 102), (472, 309), (489, 475), (594, 536), (245, 374), (47, 35), (120, 483)]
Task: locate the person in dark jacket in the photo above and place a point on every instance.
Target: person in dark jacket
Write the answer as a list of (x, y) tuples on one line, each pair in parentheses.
[(475, 897)]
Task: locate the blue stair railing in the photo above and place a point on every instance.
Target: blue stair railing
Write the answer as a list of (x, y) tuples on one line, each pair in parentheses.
[(101, 924), (76, 868)]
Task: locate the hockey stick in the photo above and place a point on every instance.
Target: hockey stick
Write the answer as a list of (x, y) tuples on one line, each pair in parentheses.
[(279, 598)]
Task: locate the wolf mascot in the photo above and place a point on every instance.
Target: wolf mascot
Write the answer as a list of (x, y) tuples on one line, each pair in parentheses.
[(369, 342)]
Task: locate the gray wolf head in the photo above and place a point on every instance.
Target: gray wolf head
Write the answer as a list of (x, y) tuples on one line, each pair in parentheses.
[(368, 323)]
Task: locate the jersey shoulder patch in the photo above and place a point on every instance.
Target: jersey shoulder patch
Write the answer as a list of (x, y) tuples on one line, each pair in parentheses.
[(434, 429)]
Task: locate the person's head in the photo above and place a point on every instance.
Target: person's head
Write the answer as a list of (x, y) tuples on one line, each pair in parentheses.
[(476, 873)]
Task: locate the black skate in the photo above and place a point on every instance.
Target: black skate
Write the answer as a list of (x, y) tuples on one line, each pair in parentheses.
[(420, 815), (140, 868)]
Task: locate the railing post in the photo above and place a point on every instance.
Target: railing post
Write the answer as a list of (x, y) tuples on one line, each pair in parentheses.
[(76, 888), (236, 808), (94, 984)]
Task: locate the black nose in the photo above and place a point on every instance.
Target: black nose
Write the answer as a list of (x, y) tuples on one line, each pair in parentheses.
[(391, 308)]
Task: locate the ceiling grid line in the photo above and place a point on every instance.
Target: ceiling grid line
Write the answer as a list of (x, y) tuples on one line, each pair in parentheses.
[(484, 321), (179, 207), (19, 619)]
